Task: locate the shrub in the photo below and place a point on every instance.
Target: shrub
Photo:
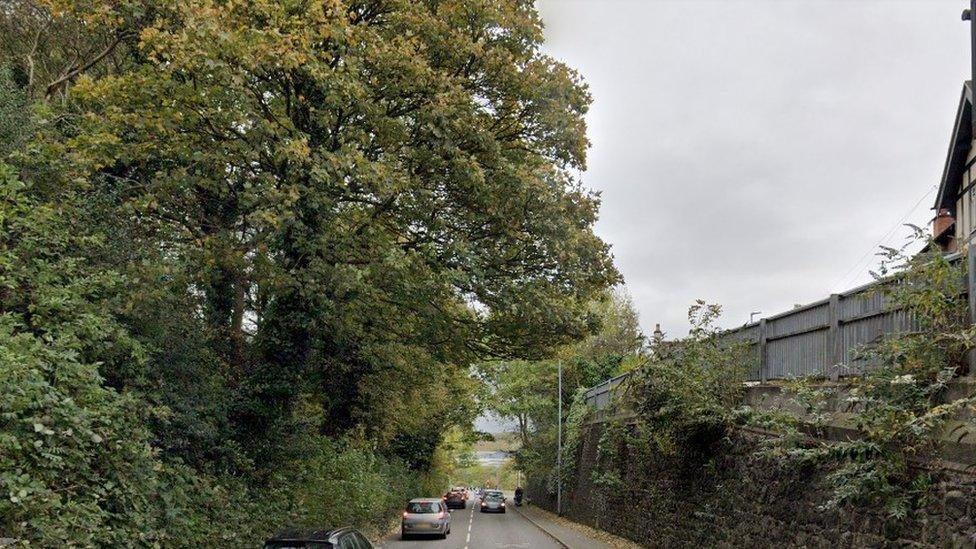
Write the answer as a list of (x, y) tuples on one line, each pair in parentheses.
[(684, 397), (899, 404)]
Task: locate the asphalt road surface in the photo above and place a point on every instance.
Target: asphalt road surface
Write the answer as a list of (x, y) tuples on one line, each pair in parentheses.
[(472, 529)]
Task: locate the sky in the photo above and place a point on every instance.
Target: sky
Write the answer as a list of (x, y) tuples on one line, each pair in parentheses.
[(755, 153)]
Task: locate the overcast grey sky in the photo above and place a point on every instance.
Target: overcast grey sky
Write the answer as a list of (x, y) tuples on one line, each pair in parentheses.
[(751, 152)]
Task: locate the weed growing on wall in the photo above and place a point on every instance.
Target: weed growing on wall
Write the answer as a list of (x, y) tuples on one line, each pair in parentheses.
[(685, 396), (681, 403), (576, 420)]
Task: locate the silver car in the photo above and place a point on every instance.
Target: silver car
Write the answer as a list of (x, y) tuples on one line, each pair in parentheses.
[(493, 502), (426, 516)]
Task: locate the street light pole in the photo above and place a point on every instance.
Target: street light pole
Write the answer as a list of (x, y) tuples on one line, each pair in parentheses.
[(559, 444)]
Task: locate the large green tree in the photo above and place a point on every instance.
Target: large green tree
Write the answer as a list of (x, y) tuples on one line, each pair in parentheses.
[(341, 202)]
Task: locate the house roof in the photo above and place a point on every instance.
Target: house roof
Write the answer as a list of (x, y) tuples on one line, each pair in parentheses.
[(959, 145)]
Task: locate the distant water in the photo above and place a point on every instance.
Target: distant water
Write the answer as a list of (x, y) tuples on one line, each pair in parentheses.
[(492, 458)]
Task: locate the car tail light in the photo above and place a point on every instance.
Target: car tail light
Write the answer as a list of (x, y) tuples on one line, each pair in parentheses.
[(405, 514)]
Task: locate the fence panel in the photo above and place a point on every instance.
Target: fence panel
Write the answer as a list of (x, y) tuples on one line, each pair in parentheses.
[(823, 338)]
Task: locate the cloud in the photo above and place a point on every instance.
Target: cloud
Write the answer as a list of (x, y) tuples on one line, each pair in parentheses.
[(751, 152)]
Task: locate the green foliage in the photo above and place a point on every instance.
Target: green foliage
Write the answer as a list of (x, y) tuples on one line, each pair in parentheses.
[(250, 252), (76, 466), (504, 476), (900, 405), (685, 396), (579, 414), (611, 461), (15, 120), (526, 391)]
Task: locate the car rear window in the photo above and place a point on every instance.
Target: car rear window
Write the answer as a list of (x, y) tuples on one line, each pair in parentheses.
[(423, 507), (298, 545), (494, 497)]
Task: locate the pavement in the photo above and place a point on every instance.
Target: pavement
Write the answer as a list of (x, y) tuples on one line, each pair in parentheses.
[(570, 538), (519, 528)]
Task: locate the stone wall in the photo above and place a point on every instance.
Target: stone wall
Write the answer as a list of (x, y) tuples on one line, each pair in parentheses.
[(742, 500)]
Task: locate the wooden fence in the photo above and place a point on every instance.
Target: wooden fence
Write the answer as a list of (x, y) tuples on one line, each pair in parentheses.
[(819, 339)]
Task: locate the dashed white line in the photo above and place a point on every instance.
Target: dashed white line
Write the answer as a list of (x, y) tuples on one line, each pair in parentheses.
[(470, 523)]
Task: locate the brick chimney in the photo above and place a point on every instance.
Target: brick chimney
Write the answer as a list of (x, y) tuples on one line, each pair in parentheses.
[(943, 237), (941, 222)]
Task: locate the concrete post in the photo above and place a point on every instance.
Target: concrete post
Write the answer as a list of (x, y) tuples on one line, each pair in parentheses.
[(763, 366), (834, 353)]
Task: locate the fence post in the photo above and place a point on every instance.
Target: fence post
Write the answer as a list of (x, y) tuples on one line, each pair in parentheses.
[(971, 295), (763, 369), (835, 340)]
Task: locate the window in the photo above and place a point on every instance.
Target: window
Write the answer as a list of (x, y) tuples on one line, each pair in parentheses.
[(362, 541), (424, 507), (971, 204)]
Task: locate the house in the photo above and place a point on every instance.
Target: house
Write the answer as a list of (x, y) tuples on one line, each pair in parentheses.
[(955, 204)]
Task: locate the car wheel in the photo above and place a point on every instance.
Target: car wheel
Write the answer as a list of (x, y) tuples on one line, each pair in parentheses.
[(403, 535)]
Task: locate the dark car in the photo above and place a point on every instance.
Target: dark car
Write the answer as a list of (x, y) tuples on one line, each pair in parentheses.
[(340, 538), (456, 500), (493, 502)]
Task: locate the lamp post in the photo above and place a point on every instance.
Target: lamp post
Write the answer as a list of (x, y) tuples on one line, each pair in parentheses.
[(559, 440)]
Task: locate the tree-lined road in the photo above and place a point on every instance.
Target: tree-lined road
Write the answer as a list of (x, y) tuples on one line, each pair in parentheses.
[(472, 529)]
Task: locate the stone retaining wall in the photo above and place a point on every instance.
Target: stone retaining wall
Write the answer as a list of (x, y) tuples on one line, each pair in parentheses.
[(745, 501)]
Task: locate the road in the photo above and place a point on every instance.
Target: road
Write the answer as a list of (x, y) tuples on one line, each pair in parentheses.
[(472, 529)]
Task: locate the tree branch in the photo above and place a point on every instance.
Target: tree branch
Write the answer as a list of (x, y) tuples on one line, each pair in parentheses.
[(70, 75)]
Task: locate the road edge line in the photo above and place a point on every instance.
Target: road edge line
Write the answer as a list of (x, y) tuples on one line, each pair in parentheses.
[(540, 527)]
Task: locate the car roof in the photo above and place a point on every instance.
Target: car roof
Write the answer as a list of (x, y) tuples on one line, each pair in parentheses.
[(310, 534), (425, 500)]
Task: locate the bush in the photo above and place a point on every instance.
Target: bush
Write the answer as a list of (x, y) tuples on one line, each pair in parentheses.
[(686, 395), (77, 461), (899, 404)]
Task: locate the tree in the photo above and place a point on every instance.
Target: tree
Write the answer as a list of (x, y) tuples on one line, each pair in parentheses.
[(360, 193), (316, 216), (526, 391)]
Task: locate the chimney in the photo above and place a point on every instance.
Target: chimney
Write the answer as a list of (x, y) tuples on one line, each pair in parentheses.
[(941, 222)]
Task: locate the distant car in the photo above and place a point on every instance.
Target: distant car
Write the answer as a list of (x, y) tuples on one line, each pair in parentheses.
[(426, 516), (456, 500), (493, 502), (340, 538)]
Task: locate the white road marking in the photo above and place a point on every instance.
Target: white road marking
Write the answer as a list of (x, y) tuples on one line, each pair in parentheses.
[(470, 523)]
